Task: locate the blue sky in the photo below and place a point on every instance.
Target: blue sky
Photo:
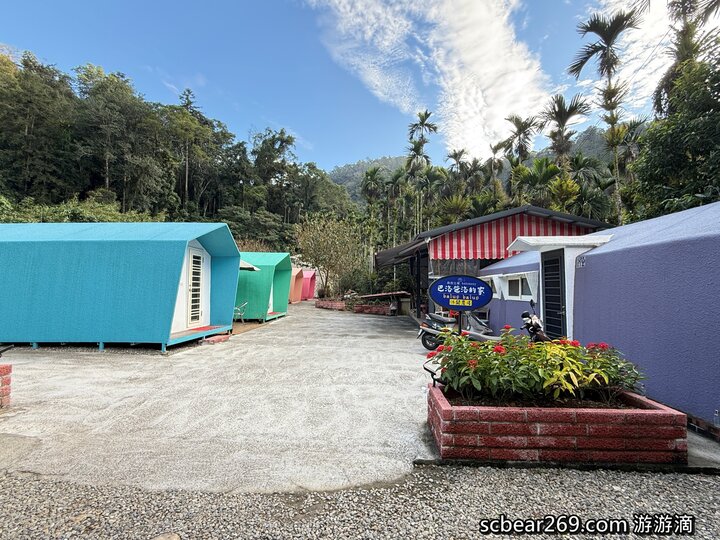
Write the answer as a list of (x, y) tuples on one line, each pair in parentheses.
[(344, 77)]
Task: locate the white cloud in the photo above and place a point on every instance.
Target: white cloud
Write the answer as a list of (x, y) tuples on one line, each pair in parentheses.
[(486, 74), (370, 39), (465, 48), (170, 86)]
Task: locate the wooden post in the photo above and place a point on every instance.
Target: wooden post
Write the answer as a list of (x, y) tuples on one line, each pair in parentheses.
[(418, 296)]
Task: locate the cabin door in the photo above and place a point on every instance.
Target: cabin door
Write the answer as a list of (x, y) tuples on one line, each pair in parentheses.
[(195, 282), (553, 293)]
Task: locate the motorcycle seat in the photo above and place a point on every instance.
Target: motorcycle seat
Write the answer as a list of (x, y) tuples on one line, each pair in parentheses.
[(440, 318)]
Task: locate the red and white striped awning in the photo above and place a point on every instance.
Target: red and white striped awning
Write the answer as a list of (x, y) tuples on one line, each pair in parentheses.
[(490, 240)]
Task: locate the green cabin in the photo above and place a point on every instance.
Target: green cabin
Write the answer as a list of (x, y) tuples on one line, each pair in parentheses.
[(265, 291)]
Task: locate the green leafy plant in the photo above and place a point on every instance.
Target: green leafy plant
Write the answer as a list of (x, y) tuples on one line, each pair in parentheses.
[(516, 368)]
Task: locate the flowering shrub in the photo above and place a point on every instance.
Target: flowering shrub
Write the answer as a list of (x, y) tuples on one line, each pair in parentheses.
[(516, 367)]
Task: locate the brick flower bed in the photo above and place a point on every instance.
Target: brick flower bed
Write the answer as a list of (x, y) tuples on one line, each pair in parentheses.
[(650, 433), (5, 371), (338, 305), (372, 309)]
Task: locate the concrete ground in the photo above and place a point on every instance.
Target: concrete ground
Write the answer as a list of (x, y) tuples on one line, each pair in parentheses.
[(318, 400)]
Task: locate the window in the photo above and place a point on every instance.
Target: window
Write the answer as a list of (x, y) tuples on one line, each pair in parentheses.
[(519, 289)]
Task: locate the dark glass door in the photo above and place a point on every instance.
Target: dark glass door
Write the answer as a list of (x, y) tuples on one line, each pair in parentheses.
[(553, 281)]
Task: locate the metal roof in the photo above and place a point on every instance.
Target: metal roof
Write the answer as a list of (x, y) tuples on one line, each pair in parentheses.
[(399, 253), (215, 237), (701, 221), (522, 262), (263, 258), (159, 231), (526, 209)]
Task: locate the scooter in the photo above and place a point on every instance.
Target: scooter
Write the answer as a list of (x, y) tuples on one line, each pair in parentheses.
[(476, 328), (534, 325)]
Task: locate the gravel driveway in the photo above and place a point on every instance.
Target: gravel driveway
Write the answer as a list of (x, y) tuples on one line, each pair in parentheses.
[(194, 444), (317, 400), (432, 502)]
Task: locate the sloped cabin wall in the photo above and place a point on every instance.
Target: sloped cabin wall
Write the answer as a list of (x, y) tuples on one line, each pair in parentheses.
[(658, 304)]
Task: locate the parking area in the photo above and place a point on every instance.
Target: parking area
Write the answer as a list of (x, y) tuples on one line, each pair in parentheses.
[(318, 400)]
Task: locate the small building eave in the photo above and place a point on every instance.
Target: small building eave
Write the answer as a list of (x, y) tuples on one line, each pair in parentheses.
[(547, 243)]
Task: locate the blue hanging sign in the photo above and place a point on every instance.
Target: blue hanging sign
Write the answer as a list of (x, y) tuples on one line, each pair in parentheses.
[(461, 293)]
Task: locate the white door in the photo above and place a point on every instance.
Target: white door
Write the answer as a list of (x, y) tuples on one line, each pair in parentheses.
[(195, 287)]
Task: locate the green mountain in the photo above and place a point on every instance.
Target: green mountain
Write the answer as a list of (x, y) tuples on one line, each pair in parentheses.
[(351, 175), (591, 143)]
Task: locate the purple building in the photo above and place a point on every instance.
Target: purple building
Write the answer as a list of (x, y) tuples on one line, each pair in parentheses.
[(651, 288)]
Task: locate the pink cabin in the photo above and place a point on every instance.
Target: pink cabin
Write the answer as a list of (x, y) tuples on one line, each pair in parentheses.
[(296, 285), (308, 288)]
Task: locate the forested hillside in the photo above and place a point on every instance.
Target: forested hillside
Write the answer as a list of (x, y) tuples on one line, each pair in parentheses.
[(87, 147), (351, 175)]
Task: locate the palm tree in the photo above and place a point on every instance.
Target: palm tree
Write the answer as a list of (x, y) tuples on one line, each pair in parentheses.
[(371, 188), (475, 176), (591, 202), (416, 163), (534, 182), (422, 126), (563, 192), (629, 147), (521, 135), (433, 179), (608, 31), (702, 9), (495, 163), (394, 187), (586, 170), (559, 113), (685, 47), (459, 162), (454, 209), (371, 184)]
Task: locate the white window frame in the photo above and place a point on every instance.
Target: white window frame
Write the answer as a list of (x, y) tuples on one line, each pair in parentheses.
[(521, 297), (194, 252)]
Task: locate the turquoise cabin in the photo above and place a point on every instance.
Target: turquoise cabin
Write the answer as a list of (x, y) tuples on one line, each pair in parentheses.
[(265, 293), (158, 283)]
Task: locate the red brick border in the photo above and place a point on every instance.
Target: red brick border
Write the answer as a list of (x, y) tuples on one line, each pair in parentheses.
[(372, 309), (652, 433), (5, 374), (338, 305)]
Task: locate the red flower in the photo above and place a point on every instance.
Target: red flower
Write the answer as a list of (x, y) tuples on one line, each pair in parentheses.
[(604, 346), (448, 348), (443, 370), (441, 348), (474, 344), (431, 354), (563, 342), (507, 327), (464, 333), (591, 345), (472, 364), (499, 349), (575, 343)]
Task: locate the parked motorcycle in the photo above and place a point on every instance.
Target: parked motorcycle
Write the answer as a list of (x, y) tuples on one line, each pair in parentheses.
[(534, 325), (476, 328)]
